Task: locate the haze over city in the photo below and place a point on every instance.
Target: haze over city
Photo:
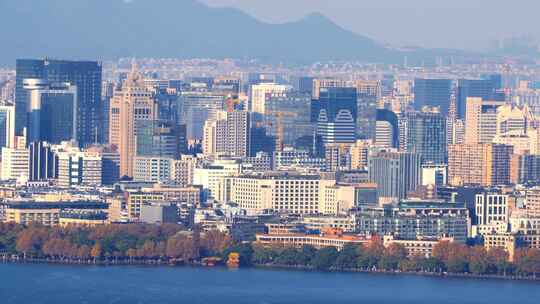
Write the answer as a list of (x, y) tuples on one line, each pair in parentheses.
[(464, 24)]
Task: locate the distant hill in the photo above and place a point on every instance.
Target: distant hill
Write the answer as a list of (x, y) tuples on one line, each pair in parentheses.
[(108, 29)]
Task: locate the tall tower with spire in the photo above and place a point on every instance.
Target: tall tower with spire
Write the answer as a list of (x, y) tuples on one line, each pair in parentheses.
[(132, 110)]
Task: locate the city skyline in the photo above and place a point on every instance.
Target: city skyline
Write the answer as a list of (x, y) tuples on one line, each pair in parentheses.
[(170, 136)]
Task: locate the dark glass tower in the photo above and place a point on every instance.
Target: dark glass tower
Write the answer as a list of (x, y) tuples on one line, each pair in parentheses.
[(433, 93), (86, 75), (426, 136), (335, 113), (51, 111), (42, 162), (485, 88)]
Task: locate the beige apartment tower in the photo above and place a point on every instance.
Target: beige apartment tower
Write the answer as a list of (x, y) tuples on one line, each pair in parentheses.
[(131, 108), (479, 164)]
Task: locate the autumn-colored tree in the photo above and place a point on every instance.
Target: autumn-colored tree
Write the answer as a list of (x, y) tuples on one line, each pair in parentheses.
[(498, 257), (441, 250), (83, 252), (96, 252), (479, 261), (527, 261), (182, 247), (392, 256), (372, 252), (31, 239), (214, 242)]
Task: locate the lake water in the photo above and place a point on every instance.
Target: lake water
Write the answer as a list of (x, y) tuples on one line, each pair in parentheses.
[(56, 284)]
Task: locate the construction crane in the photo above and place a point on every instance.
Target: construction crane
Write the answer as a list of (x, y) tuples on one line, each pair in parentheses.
[(280, 129)]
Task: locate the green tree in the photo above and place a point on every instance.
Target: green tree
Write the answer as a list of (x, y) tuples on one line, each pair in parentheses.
[(324, 258), (347, 257)]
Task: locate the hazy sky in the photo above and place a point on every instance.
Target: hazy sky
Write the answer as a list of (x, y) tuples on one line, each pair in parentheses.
[(465, 24)]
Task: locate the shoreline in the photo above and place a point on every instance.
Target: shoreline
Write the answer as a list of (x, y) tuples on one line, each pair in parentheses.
[(163, 263)]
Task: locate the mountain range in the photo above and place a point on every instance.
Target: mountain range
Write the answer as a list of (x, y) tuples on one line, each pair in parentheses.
[(108, 29)]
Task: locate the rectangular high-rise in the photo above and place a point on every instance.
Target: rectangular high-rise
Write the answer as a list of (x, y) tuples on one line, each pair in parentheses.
[(85, 75), (51, 111), (7, 126), (227, 135), (479, 164), (481, 120), (483, 88), (335, 112), (396, 173), (432, 92), (426, 135)]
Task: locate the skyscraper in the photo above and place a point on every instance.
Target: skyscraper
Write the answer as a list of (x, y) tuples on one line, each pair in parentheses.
[(335, 113), (483, 88), (426, 135), (479, 164), (432, 92), (396, 173), (481, 120), (260, 92), (227, 135), (85, 75), (132, 111), (387, 129), (367, 92), (7, 126), (51, 111)]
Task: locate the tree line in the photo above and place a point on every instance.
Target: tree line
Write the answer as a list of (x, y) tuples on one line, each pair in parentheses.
[(133, 242), (173, 243), (447, 257)]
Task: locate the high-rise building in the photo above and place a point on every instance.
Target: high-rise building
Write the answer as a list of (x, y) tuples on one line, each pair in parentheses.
[(481, 120), (15, 160), (110, 162), (260, 141), (161, 138), (479, 164), (7, 126), (426, 135), (197, 107), (107, 92), (335, 113), (79, 168), (51, 111), (492, 208), (303, 85), (360, 154), (367, 92), (482, 88), (260, 92), (433, 93), (514, 120), (227, 135), (42, 162), (320, 83), (289, 113), (525, 168), (396, 173), (532, 202), (337, 157), (387, 129), (132, 113), (84, 75)]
